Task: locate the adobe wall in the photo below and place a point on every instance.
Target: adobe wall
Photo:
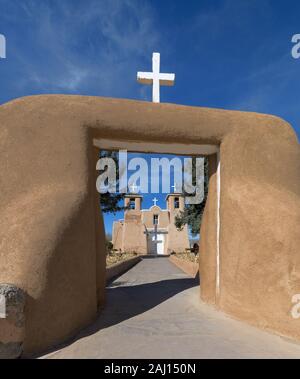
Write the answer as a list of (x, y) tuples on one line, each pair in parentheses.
[(163, 219), (208, 241), (117, 235), (178, 240), (52, 249), (134, 238)]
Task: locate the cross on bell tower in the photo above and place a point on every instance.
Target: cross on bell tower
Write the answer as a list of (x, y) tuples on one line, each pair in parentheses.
[(177, 188), (133, 188)]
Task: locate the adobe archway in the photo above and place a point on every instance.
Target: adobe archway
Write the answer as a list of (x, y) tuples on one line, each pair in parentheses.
[(51, 245)]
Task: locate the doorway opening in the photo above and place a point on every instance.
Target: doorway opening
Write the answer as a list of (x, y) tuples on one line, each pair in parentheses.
[(126, 237)]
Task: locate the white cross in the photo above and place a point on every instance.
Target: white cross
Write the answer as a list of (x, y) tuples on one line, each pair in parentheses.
[(156, 78), (156, 235), (155, 201), (133, 188), (176, 188)]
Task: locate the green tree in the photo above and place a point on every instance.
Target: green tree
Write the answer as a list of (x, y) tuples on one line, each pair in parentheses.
[(108, 242), (110, 202), (193, 213)]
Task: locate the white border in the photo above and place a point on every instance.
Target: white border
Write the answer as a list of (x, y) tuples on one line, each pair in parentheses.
[(218, 226), (159, 148)]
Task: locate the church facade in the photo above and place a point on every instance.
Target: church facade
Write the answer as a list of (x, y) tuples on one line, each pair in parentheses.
[(150, 231)]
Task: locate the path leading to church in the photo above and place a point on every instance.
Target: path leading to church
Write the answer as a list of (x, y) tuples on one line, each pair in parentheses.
[(154, 311)]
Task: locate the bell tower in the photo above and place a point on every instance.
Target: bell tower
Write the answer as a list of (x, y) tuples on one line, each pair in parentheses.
[(133, 238), (133, 202), (177, 239), (175, 203)]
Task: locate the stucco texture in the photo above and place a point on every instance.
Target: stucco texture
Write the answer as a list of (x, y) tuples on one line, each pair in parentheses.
[(51, 229)]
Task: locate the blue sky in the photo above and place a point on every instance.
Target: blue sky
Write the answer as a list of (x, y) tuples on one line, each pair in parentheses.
[(233, 54), (148, 197)]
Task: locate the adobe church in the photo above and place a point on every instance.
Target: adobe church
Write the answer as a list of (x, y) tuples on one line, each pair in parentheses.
[(150, 231)]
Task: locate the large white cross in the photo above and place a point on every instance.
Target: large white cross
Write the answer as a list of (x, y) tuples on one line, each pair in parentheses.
[(156, 78)]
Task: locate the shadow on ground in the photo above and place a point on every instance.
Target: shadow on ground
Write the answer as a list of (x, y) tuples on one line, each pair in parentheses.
[(127, 301)]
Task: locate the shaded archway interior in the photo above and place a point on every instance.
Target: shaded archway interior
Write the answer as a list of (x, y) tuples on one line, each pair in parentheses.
[(209, 267)]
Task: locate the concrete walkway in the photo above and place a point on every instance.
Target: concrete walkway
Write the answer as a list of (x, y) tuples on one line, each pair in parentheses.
[(154, 311)]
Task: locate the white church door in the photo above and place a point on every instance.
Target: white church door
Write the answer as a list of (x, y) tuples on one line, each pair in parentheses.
[(160, 244), (157, 244)]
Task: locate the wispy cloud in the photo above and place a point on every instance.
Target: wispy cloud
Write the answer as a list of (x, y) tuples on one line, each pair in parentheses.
[(92, 46), (227, 53)]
